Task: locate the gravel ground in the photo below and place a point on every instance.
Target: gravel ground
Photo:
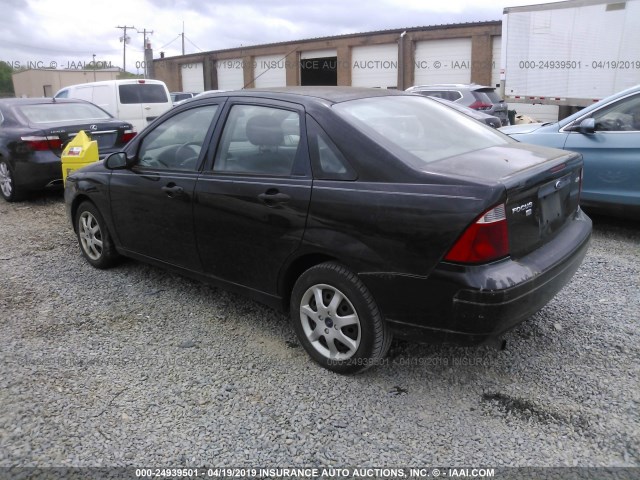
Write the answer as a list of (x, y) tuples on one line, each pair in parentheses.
[(137, 366)]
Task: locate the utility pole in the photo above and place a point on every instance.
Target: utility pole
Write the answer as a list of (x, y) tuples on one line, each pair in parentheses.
[(144, 48), (124, 39), (183, 38)]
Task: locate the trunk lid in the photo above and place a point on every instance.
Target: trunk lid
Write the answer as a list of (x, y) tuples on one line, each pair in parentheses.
[(542, 188), (109, 135)]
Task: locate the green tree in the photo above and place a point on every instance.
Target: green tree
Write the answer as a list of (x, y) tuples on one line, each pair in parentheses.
[(6, 82)]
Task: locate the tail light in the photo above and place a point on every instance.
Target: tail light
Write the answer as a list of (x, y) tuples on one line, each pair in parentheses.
[(485, 240), (477, 105), (41, 143), (128, 135)]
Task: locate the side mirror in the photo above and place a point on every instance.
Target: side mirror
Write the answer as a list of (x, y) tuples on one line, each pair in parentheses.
[(588, 126), (116, 161)]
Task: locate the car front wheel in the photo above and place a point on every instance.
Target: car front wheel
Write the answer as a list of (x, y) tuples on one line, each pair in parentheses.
[(337, 320), (93, 237)]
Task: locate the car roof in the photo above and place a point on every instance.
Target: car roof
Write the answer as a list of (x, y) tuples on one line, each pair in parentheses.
[(470, 86), (36, 101), (327, 94)]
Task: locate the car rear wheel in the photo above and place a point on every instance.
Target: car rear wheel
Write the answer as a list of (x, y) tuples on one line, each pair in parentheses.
[(337, 320), (93, 237), (10, 192)]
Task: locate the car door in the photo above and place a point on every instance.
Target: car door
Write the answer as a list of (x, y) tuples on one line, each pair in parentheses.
[(152, 202), (252, 203), (611, 153)]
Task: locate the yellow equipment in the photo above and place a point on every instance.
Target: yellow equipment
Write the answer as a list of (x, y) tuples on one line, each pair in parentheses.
[(79, 152)]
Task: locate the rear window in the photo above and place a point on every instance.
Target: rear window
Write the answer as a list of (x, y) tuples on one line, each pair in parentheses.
[(142, 93), (62, 112), (487, 96), (426, 130)]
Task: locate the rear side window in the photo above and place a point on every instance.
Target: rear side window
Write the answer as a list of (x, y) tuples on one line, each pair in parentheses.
[(259, 140), (142, 93), (327, 161), (450, 95)]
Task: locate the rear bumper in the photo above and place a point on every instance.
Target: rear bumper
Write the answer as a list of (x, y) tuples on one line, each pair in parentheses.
[(474, 305), (41, 170)]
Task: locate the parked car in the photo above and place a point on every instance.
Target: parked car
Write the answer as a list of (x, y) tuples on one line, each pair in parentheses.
[(137, 101), (489, 120), (33, 133), (476, 97), (607, 134), (364, 213)]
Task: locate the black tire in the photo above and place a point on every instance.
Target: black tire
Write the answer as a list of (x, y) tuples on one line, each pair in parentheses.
[(347, 333), (93, 237), (8, 188)]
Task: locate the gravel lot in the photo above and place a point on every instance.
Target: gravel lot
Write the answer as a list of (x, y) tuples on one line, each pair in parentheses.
[(137, 366)]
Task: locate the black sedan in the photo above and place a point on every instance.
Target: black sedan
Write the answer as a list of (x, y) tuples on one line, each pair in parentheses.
[(33, 133), (364, 213)]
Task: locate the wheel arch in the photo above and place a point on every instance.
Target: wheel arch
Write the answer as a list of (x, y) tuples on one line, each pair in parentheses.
[(296, 268), (74, 208)]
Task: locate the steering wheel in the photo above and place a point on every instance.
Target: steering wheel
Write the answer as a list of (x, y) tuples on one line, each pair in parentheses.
[(186, 155)]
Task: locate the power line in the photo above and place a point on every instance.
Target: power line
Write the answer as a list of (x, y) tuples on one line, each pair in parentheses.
[(165, 46), (194, 44)]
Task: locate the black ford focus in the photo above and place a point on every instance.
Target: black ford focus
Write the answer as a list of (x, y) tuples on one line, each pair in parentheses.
[(364, 213)]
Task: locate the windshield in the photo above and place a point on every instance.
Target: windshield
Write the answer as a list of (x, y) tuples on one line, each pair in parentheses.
[(419, 126), (62, 112)]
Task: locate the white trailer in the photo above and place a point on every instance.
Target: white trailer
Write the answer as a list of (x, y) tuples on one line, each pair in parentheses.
[(571, 53)]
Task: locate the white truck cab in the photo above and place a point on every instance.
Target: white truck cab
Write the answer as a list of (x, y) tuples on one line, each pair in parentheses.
[(137, 101)]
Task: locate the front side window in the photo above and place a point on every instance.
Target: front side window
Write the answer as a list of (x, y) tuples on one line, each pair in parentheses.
[(621, 116), (424, 129), (176, 143), (259, 140)]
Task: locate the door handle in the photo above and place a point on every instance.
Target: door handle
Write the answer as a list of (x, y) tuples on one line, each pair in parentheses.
[(173, 190), (273, 198)]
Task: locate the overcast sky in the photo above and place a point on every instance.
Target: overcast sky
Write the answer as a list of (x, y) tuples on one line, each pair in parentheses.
[(66, 33)]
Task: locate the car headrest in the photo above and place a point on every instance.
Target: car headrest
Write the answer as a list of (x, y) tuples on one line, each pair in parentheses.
[(264, 130)]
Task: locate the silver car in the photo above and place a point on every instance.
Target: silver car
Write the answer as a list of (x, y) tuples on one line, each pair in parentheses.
[(478, 97)]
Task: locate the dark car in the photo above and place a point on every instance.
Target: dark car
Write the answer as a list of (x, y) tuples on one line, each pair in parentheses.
[(477, 97), (485, 118), (364, 213), (33, 133)]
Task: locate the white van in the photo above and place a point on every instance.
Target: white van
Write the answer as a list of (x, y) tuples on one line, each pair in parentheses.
[(137, 101)]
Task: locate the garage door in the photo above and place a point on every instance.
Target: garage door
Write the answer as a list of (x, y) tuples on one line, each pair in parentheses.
[(443, 61), (230, 73), (319, 67), (375, 66), (192, 77), (496, 50), (270, 71)]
